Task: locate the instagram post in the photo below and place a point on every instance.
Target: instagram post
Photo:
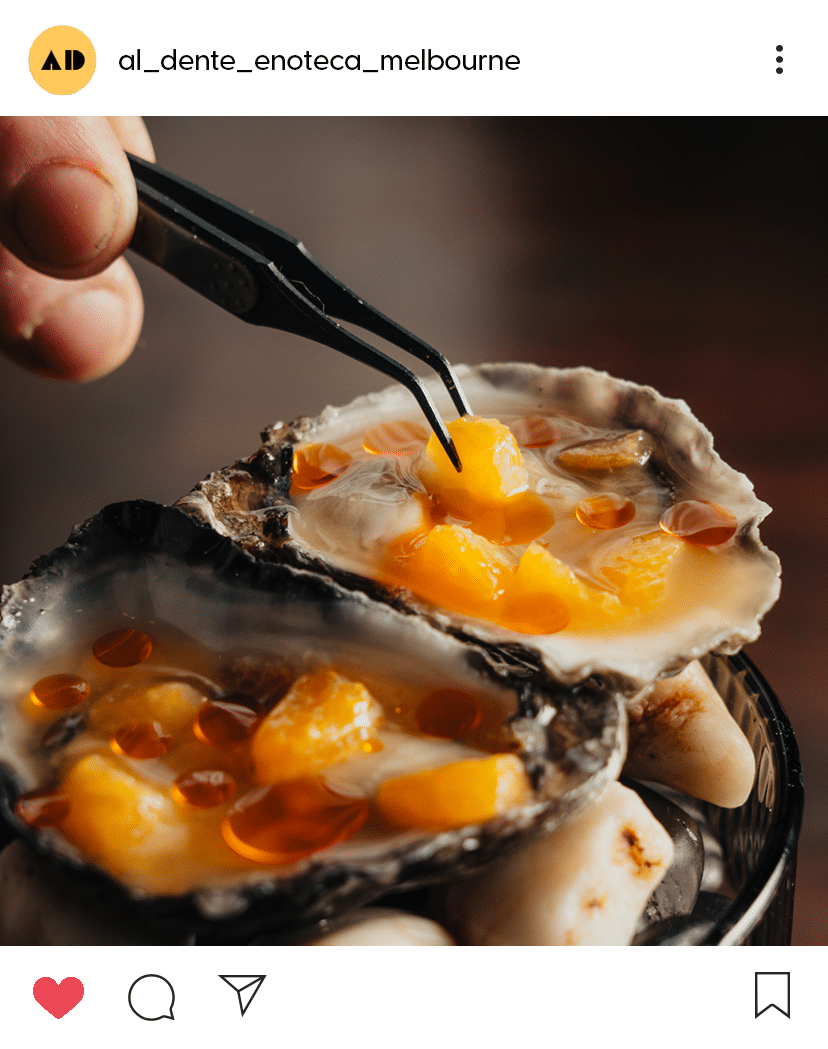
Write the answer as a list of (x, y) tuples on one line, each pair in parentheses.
[(413, 532)]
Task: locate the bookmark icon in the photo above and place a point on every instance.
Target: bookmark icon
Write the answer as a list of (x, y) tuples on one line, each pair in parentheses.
[(245, 988), (773, 991)]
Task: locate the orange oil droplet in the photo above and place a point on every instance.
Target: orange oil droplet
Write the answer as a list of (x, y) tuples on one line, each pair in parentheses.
[(448, 713), (224, 724), (142, 740), (42, 808), (123, 648), (373, 746), (59, 691), (285, 822), (204, 788), (395, 438), (605, 511), (317, 464), (535, 431), (699, 522)]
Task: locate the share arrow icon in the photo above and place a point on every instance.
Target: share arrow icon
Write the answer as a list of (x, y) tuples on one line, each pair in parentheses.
[(245, 987)]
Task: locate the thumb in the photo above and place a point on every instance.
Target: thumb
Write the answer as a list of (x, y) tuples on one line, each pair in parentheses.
[(67, 197)]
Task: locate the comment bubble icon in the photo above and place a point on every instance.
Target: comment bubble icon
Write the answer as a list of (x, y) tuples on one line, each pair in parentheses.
[(151, 997)]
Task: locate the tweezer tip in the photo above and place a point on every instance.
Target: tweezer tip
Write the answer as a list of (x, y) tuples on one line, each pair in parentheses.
[(451, 452)]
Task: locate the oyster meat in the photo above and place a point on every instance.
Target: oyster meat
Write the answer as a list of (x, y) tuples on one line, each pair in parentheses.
[(597, 531)]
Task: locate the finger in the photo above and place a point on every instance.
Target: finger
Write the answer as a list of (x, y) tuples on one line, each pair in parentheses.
[(132, 133), (78, 330), (67, 196), (72, 330)]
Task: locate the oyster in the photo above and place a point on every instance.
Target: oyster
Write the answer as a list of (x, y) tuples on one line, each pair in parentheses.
[(630, 598), (145, 648)]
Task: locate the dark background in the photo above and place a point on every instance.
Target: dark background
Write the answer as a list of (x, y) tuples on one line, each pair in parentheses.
[(686, 254)]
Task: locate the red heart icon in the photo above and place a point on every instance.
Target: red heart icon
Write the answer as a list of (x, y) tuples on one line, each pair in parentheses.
[(58, 998)]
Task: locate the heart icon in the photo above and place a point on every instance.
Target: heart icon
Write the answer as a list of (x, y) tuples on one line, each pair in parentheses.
[(58, 998)]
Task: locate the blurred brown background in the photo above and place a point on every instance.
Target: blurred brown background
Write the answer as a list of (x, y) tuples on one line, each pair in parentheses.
[(686, 254)]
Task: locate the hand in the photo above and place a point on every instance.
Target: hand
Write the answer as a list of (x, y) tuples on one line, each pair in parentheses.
[(70, 306)]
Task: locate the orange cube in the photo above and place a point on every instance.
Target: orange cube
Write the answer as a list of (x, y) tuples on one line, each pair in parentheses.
[(458, 570), (456, 795), (492, 471), (173, 704), (322, 720), (126, 824), (639, 568), (545, 595)]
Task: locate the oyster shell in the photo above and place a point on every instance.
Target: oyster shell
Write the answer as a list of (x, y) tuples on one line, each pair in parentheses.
[(154, 568), (584, 885), (651, 445)]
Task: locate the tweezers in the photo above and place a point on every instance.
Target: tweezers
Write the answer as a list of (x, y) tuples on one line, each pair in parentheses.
[(264, 276)]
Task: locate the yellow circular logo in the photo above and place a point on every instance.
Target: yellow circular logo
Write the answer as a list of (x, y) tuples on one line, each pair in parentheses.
[(62, 60)]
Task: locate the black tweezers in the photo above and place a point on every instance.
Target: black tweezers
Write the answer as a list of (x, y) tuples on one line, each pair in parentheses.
[(266, 277)]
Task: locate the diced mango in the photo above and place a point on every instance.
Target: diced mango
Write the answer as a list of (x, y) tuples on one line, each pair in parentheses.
[(173, 704), (322, 720), (455, 795), (458, 570), (639, 568), (542, 585), (492, 471), (127, 825)]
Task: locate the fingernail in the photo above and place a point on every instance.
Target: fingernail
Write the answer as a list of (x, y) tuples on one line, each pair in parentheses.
[(64, 214), (80, 335)]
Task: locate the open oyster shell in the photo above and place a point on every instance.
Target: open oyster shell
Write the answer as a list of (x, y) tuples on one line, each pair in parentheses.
[(722, 596), (145, 566)]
